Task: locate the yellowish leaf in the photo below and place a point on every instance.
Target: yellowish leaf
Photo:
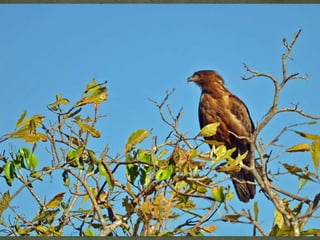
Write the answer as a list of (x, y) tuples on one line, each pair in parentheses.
[(301, 147), (229, 195), (55, 202), (309, 136), (213, 142), (209, 229), (311, 232), (59, 101), (31, 123), (232, 165), (4, 202), (209, 130), (315, 154), (42, 229), (33, 138), (302, 183), (95, 93), (193, 153), (291, 168), (22, 116), (135, 138), (278, 219), (88, 119), (87, 128), (301, 173), (26, 128), (228, 169), (28, 137), (231, 218), (222, 153), (162, 153)]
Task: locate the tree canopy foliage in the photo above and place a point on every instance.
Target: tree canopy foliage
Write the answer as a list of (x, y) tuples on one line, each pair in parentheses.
[(154, 187)]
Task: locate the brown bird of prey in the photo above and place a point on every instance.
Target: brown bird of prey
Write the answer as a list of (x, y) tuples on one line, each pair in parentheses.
[(217, 104)]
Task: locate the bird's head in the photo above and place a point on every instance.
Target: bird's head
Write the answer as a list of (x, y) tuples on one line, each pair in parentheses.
[(205, 77)]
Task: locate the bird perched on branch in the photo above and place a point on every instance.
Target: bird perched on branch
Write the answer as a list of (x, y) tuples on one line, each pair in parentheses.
[(218, 104)]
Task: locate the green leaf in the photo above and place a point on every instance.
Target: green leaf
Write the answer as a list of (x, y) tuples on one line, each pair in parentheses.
[(315, 154), (32, 162), (135, 138), (144, 156), (89, 232), (218, 193), (209, 130), (145, 177), (302, 183), (8, 171), (19, 161), (106, 173), (36, 175), (74, 157), (165, 173), (92, 156), (256, 210), (132, 172), (30, 159), (47, 216), (66, 178)]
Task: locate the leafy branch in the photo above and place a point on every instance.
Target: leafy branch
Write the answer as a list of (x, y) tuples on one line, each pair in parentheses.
[(153, 187), (292, 221)]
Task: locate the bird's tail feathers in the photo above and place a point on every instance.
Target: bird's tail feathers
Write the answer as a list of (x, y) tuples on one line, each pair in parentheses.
[(244, 185)]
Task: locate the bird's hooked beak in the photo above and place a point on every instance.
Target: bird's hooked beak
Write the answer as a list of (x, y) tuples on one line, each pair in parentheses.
[(193, 78)]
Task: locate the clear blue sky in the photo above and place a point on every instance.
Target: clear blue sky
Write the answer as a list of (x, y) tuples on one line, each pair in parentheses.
[(145, 50)]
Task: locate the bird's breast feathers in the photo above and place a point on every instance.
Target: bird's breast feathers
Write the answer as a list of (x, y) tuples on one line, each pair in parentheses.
[(229, 113)]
